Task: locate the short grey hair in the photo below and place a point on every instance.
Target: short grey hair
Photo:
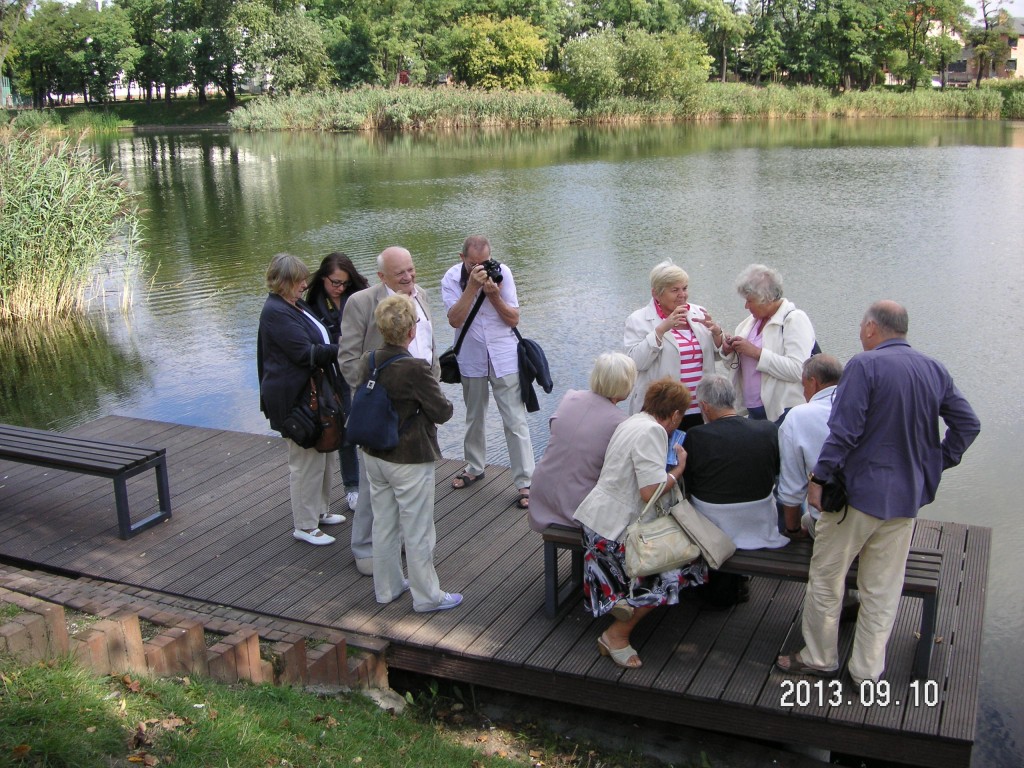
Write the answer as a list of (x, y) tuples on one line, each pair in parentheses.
[(613, 375), (889, 316), (760, 283), (716, 391), (667, 274), (825, 369)]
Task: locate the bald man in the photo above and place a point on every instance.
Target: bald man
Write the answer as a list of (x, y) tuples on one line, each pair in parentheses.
[(359, 334), (884, 440)]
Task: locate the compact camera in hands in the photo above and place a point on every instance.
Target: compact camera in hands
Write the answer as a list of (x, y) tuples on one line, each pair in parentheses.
[(492, 268)]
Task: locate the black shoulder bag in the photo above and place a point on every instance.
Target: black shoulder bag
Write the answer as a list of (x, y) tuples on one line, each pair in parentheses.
[(449, 359)]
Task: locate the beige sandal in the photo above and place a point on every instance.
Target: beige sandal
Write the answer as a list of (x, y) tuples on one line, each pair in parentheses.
[(626, 658)]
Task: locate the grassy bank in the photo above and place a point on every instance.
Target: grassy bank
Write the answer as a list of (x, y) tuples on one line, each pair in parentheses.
[(58, 715), (125, 114), (62, 214)]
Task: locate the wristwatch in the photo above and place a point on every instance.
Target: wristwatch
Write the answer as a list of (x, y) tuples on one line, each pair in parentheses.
[(816, 480)]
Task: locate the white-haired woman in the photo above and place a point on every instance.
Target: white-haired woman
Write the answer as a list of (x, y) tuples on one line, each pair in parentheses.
[(580, 428), (671, 337), (768, 350)]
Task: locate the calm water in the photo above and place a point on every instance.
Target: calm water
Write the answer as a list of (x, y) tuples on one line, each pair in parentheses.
[(928, 213)]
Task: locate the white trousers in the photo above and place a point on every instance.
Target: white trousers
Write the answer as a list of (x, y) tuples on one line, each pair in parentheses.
[(883, 546), (309, 481), (362, 516), (403, 508), (509, 400)]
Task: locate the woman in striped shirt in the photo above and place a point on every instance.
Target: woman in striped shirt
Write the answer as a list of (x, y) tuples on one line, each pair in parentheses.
[(671, 337)]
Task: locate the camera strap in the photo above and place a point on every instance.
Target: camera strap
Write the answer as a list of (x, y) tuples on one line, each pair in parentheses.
[(469, 320)]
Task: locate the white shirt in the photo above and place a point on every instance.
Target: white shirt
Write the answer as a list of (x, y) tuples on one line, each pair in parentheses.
[(490, 339), (800, 439), (422, 345)]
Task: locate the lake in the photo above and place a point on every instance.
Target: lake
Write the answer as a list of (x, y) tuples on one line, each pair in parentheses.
[(925, 212)]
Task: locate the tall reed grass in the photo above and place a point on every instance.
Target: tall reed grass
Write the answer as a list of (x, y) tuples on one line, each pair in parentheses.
[(411, 108), (62, 213), (406, 108)]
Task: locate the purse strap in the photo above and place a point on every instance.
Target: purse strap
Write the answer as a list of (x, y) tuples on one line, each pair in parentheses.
[(652, 501)]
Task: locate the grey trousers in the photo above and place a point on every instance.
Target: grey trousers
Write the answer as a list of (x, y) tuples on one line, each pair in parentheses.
[(362, 516), (509, 400)]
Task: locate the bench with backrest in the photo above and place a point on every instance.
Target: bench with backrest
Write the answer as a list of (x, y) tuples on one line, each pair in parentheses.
[(93, 457), (792, 562)]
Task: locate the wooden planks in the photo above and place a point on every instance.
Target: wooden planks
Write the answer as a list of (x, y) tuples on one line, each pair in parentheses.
[(230, 542)]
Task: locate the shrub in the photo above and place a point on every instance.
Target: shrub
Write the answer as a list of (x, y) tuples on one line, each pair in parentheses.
[(633, 63), (61, 212)]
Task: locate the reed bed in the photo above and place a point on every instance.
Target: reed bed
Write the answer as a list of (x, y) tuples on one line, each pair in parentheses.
[(406, 108), (413, 108), (62, 214)]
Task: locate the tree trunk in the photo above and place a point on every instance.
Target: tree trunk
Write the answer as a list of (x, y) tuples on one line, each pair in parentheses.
[(724, 65)]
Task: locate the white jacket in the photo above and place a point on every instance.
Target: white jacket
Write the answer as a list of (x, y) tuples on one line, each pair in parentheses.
[(656, 360), (786, 340)]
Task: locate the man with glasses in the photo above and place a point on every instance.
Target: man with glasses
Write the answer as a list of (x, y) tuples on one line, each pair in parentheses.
[(488, 358), (884, 441), (359, 334)]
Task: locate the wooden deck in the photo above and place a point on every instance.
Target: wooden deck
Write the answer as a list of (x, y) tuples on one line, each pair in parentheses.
[(229, 542)]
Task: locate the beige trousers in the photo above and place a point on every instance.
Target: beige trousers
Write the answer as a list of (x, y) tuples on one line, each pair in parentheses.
[(402, 496), (309, 480), (882, 546)]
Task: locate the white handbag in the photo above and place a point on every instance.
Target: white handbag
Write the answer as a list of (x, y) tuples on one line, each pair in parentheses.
[(657, 545), (714, 543)]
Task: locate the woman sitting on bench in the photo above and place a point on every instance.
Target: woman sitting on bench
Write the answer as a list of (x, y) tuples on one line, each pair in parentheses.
[(580, 430)]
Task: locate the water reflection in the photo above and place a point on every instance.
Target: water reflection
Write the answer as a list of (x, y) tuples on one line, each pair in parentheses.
[(926, 212), (64, 373)]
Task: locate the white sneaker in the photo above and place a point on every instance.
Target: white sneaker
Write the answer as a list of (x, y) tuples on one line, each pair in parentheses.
[(316, 536), (330, 519), (447, 601), (352, 497)]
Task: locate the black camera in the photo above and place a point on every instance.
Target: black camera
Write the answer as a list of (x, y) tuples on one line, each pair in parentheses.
[(492, 267)]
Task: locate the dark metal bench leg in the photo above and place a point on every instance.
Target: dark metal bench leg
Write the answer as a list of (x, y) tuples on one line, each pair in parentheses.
[(550, 579), (923, 654), (124, 516), (576, 577), (163, 488)]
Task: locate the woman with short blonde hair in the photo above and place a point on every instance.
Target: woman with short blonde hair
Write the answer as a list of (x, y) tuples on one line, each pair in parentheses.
[(671, 337)]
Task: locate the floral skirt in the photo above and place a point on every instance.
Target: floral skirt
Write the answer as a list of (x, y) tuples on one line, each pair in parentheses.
[(605, 580)]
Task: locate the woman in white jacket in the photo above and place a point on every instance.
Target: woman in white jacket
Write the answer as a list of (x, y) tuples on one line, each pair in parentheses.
[(768, 350), (671, 337)]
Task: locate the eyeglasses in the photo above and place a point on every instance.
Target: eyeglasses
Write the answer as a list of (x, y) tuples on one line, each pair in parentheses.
[(339, 283)]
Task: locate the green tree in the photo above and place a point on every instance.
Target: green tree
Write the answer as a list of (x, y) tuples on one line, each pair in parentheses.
[(589, 68), (497, 54), (107, 47), (921, 29), (12, 14), (49, 60), (297, 57), (990, 48)]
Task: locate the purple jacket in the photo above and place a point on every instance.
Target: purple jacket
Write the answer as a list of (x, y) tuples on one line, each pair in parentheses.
[(884, 430)]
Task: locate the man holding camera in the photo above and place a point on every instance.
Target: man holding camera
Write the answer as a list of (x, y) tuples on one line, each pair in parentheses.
[(488, 357)]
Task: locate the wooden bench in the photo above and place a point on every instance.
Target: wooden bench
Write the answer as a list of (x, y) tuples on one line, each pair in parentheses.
[(93, 457), (792, 563)]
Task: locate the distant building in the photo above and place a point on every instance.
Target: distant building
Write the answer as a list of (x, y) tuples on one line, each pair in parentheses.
[(966, 69)]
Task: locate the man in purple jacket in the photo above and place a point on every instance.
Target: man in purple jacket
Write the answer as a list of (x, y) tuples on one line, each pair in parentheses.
[(884, 441)]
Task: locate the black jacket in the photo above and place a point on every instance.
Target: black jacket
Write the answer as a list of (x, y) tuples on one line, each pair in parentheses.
[(533, 366), (288, 347)]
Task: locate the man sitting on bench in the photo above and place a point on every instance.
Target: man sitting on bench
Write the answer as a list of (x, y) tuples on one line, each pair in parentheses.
[(730, 474)]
